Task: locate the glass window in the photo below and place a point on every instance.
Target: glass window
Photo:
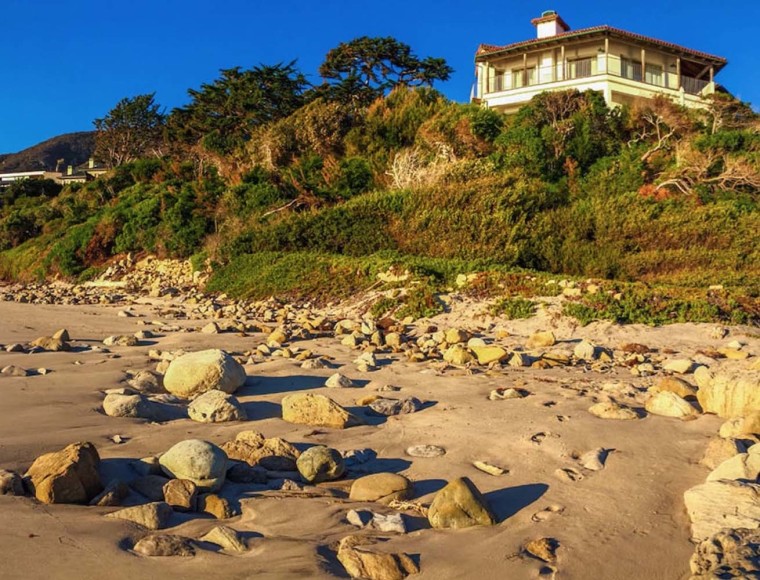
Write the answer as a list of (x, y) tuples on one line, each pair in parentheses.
[(654, 75)]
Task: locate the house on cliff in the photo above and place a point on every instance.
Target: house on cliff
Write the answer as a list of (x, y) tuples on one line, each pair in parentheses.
[(625, 67)]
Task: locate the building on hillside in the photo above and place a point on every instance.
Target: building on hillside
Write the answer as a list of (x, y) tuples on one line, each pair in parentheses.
[(83, 173), (625, 67), (7, 178)]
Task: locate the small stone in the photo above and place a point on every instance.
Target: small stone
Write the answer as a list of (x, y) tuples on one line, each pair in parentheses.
[(675, 385), (612, 410), (668, 404), (391, 407), (458, 355), (381, 487), (594, 459), (585, 350), (456, 335), (153, 516), (164, 545), (460, 505), (489, 468), (121, 340), (215, 505), (545, 549), (339, 381), (181, 494), (211, 328), (14, 371), (10, 483), (425, 451), (503, 394), (216, 407), (487, 355), (541, 339), (680, 366), (317, 411), (320, 463), (360, 562), (226, 538)]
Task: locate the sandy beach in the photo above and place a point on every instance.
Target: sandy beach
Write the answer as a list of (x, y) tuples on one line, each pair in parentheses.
[(624, 521)]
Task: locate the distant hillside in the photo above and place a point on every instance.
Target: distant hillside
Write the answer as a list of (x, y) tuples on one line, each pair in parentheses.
[(73, 148)]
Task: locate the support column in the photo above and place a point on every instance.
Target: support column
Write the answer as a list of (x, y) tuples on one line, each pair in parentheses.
[(562, 61), (525, 69), (678, 71), (643, 65)]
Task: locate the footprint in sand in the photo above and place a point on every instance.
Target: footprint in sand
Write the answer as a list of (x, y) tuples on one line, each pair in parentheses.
[(539, 437), (569, 474), (548, 512)]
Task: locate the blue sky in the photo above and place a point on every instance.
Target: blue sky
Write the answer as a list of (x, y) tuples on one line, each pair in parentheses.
[(67, 62)]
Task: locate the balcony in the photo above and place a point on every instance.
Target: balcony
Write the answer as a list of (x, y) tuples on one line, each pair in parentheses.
[(586, 68)]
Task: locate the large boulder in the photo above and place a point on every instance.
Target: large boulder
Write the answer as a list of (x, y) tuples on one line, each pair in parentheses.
[(317, 411), (744, 466), (720, 449), (216, 407), (715, 505), (668, 404), (320, 463), (729, 394), (361, 562), (66, 476), (381, 487), (197, 372), (460, 505), (201, 462)]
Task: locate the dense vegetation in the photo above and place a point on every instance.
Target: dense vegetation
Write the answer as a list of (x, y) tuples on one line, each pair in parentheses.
[(287, 187)]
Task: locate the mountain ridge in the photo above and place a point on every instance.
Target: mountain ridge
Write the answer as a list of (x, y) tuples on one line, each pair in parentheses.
[(71, 148)]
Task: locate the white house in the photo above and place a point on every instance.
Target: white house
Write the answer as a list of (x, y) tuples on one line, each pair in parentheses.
[(625, 67)]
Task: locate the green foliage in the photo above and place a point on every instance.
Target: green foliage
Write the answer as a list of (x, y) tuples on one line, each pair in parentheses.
[(355, 177), (132, 129), (360, 71), (224, 114), (513, 308)]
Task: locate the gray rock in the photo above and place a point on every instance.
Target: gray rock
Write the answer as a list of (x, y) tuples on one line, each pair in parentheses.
[(201, 462), (153, 516), (226, 538), (425, 451), (216, 407), (11, 483), (320, 463), (197, 372), (151, 486), (389, 407), (165, 545), (14, 371)]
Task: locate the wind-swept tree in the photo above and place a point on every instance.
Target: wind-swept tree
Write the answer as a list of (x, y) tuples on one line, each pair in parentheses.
[(224, 114), (365, 68), (132, 129)]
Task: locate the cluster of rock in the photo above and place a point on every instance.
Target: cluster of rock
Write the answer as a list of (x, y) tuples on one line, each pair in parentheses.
[(725, 510)]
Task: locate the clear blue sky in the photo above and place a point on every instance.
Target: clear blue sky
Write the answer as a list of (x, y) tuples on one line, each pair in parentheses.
[(67, 62)]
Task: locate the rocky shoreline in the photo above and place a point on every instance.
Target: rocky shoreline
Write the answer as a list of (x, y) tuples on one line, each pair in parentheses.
[(340, 385)]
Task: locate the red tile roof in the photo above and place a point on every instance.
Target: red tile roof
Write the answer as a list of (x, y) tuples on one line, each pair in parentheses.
[(490, 49)]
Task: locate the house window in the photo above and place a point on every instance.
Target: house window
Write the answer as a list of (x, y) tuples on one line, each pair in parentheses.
[(522, 77), (630, 69), (579, 68), (654, 75)]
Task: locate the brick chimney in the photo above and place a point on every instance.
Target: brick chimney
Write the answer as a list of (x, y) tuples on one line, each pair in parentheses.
[(549, 24)]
